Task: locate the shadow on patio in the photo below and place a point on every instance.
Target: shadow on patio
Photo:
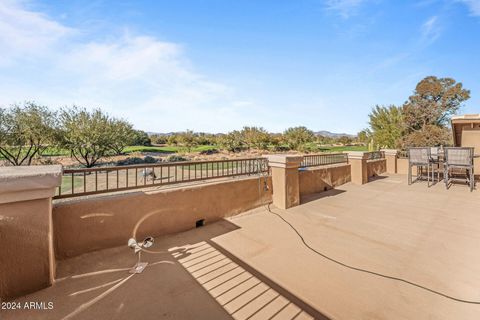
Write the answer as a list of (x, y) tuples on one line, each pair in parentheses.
[(188, 277)]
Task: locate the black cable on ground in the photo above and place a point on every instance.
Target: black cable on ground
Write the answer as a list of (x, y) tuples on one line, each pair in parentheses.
[(368, 271)]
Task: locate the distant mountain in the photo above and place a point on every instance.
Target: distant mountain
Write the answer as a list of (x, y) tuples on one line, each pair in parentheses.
[(160, 133), (332, 134)]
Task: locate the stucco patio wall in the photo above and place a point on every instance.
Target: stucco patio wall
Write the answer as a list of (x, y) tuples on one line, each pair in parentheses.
[(87, 224), (402, 166), (376, 167), (26, 261), (319, 179)]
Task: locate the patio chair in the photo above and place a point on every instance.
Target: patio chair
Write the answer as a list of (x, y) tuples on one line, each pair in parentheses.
[(435, 154), (419, 157), (459, 158)]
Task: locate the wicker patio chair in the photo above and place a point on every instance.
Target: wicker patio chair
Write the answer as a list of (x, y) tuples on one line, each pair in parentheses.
[(435, 154), (462, 158), (419, 157)]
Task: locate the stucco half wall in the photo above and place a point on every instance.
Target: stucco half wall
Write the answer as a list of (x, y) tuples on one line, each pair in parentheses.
[(24, 237), (319, 179), (376, 167), (89, 224)]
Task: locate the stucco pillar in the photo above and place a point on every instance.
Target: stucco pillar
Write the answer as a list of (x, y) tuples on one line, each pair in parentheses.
[(391, 158), (286, 189), (27, 261), (358, 163)]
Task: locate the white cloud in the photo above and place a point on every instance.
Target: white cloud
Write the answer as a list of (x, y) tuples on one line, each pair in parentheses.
[(473, 6), (24, 32), (148, 81), (430, 30), (345, 8)]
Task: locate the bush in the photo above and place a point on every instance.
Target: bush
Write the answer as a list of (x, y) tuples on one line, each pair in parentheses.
[(279, 148), (176, 158), (255, 137), (149, 159), (308, 147), (232, 142), (209, 151), (141, 138), (159, 139), (297, 137), (129, 161)]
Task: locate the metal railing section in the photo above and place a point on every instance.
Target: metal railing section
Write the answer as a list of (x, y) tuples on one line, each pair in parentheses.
[(375, 155), (88, 181), (313, 160)]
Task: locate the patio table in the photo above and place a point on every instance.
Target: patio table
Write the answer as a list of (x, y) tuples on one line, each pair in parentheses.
[(439, 158)]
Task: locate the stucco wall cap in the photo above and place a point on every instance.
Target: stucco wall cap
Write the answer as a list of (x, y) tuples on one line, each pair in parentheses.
[(390, 152), (22, 178), (359, 155), (284, 160)]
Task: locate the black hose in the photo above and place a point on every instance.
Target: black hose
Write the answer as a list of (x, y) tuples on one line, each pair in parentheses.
[(368, 271)]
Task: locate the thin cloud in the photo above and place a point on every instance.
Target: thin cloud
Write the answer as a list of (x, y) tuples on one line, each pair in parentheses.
[(345, 8), (473, 6), (431, 30), (24, 32)]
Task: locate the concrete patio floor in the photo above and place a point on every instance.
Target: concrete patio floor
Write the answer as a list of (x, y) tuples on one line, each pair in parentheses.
[(254, 266)]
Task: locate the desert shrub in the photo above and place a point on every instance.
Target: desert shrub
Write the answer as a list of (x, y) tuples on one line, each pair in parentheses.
[(209, 151), (279, 148), (176, 158), (149, 159), (130, 161)]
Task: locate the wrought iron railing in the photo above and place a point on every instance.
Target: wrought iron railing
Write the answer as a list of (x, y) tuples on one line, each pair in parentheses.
[(87, 181), (375, 155), (313, 160)]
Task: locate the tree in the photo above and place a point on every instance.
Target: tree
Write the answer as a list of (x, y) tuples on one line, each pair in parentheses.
[(188, 139), (434, 101), (324, 139), (256, 137), (25, 131), (85, 134), (387, 126), (431, 135), (232, 141), (345, 140), (172, 140), (141, 138), (158, 139), (297, 137), (364, 136), (121, 134)]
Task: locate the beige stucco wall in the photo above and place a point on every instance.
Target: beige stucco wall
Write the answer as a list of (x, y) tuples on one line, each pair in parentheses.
[(84, 225), (27, 260), (285, 184), (318, 179), (376, 167), (402, 166), (24, 240), (471, 138)]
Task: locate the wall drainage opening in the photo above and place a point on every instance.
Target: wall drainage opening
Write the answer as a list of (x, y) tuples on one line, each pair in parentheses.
[(200, 223)]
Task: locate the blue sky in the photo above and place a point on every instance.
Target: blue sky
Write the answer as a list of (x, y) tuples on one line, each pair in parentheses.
[(217, 65)]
